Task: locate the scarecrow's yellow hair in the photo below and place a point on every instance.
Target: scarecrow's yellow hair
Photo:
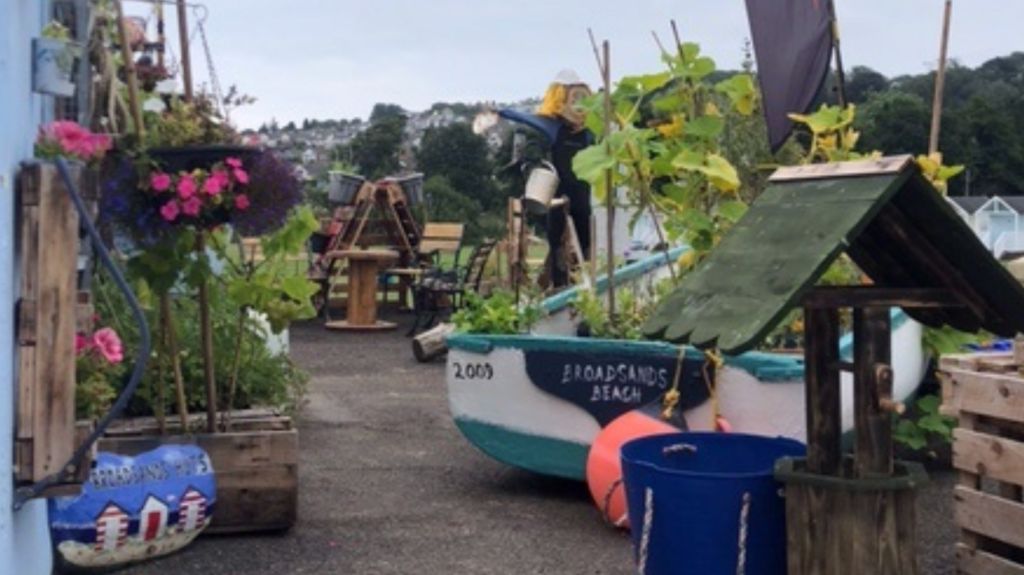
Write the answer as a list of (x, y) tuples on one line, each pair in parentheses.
[(554, 101)]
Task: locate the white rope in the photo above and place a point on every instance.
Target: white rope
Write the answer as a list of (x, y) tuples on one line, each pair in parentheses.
[(645, 535), (741, 561), (678, 448)]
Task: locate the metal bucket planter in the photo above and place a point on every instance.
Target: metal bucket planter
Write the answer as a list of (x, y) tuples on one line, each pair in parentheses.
[(412, 187), (541, 187), (53, 66), (707, 503), (343, 187)]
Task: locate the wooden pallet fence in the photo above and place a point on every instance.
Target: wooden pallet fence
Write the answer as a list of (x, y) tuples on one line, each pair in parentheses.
[(986, 393), (47, 235)]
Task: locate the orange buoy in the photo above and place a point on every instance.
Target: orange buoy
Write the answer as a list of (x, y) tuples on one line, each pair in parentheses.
[(604, 466)]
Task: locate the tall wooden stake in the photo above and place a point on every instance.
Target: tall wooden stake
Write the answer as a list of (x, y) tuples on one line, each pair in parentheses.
[(161, 37), (129, 67), (940, 81), (207, 341), (186, 61), (609, 188), (840, 72)]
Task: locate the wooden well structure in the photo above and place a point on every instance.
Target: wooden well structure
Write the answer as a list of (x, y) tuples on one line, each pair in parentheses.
[(845, 515)]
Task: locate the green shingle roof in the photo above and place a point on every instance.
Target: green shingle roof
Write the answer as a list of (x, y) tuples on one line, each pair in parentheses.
[(888, 219)]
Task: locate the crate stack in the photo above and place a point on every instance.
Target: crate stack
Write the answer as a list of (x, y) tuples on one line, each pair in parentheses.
[(985, 391)]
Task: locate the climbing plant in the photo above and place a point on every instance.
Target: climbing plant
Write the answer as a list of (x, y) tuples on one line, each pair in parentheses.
[(664, 147)]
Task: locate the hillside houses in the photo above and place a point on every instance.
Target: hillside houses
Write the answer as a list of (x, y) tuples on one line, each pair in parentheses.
[(312, 146)]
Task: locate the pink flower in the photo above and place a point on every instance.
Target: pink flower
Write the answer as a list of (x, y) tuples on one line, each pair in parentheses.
[(215, 183), (101, 144), (169, 211), (186, 187), (81, 343), (242, 202), (240, 176), (192, 206), (107, 342), (160, 181), (234, 163)]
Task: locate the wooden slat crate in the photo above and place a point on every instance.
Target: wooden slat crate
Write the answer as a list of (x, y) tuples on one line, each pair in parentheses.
[(256, 466), (986, 393)]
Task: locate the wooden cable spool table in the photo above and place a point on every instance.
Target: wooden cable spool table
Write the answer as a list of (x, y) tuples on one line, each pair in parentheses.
[(361, 310)]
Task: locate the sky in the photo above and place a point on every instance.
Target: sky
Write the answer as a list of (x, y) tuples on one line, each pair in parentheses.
[(336, 58)]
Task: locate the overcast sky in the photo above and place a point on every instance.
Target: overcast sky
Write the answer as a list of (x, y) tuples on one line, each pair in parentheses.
[(336, 58)]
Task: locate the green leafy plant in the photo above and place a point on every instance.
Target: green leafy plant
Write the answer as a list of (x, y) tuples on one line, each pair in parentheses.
[(632, 310), (496, 314), (665, 147), (930, 424)]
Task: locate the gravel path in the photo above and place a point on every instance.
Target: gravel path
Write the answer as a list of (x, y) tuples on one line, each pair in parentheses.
[(388, 486)]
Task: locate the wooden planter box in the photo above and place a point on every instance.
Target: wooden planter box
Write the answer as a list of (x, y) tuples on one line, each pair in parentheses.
[(256, 465), (986, 393)]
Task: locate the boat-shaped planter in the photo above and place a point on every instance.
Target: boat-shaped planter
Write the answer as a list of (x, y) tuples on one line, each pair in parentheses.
[(538, 401)]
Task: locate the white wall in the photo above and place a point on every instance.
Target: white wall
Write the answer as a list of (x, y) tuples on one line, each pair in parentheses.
[(24, 535)]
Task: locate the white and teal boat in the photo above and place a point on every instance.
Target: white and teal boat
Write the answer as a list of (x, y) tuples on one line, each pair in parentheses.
[(538, 401)]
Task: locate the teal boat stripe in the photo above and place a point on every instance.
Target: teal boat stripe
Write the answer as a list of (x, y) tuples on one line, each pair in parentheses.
[(531, 452), (766, 367), (626, 273)]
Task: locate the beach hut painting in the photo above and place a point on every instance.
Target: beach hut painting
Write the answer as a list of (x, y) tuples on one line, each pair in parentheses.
[(135, 508)]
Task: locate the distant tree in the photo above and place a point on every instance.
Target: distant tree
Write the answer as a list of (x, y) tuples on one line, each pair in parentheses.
[(862, 82), (894, 123), (290, 127), (462, 157), (375, 150), (386, 111)]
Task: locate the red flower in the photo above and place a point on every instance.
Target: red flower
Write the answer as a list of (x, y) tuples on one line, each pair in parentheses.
[(108, 344), (186, 187), (192, 206), (169, 211), (160, 181), (81, 343)]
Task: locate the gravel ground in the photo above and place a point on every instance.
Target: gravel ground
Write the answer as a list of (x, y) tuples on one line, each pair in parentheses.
[(388, 486)]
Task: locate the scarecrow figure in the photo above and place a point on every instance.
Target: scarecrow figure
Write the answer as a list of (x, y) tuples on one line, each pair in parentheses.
[(560, 120)]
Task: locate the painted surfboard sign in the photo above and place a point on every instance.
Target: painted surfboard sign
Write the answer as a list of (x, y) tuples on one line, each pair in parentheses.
[(134, 508)]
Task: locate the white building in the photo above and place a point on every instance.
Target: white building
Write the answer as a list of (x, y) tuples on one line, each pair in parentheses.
[(24, 534), (998, 221)]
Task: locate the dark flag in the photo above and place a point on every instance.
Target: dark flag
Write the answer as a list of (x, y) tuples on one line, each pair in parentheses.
[(793, 45)]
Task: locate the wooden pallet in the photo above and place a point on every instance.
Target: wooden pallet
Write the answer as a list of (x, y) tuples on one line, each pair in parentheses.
[(986, 392)]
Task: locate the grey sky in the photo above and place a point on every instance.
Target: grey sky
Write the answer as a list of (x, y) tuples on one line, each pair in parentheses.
[(335, 59)]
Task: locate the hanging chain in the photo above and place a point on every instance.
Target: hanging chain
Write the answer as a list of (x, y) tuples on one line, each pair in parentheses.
[(214, 80)]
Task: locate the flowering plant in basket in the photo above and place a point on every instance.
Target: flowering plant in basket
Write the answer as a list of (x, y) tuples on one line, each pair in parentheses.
[(200, 197)]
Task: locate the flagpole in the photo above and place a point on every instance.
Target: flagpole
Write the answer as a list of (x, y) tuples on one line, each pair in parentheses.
[(940, 81), (840, 73)]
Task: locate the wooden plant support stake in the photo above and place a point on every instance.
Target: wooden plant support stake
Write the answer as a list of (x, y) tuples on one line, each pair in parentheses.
[(171, 332), (129, 67), (186, 59), (206, 335)]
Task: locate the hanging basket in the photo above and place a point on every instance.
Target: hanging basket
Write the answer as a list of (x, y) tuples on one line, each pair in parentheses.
[(707, 503), (188, 158)]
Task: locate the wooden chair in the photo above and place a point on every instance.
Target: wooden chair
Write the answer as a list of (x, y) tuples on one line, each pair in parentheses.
[(441, 291), (436, 240)]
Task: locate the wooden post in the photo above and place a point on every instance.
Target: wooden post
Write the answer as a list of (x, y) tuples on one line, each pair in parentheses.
[(872, 383), (186, 59), (129, 67), (940, 81), (840, 72), (821, 357)]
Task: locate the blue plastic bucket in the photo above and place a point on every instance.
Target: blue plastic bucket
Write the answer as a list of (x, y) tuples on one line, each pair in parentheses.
[(696, 499)]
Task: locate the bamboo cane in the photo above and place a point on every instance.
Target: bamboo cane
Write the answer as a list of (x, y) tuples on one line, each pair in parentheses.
[(129, 67), (940, 81), (186, 60)]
